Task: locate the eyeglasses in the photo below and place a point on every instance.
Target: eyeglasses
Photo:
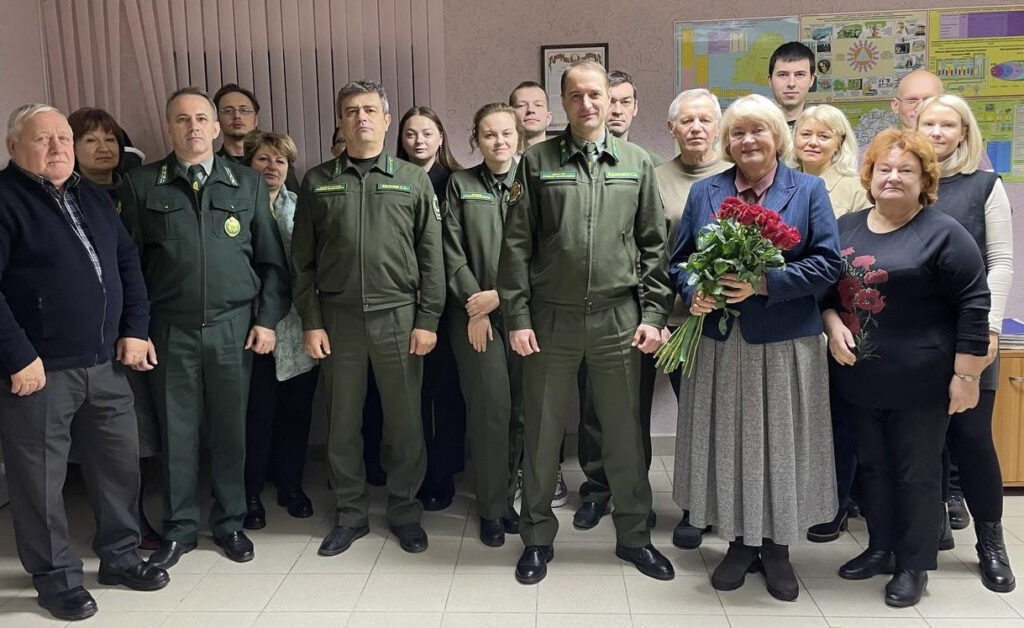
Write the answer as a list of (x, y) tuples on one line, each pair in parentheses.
[(913, 102), (242, 111)]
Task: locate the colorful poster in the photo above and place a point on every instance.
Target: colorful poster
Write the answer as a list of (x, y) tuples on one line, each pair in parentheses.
[(978, 52), (730, 57), (864, 56)]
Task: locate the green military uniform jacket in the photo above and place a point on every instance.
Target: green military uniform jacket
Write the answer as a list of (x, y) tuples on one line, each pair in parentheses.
[(370, 243), (208, 252), (574, 233), (472, 232)]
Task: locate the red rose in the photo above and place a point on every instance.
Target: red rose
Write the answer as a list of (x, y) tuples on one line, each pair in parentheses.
[(869, 300), (863, 261), (876, 276), (847, 288), (786, 238), (851, 321), (847, 251)]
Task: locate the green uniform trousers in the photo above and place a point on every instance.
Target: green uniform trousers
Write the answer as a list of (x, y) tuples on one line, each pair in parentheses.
[(492, 385), (202, 374), (588, 448), (380, 339), (601, 341)]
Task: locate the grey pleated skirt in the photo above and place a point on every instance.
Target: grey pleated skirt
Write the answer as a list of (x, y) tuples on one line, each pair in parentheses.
[(754, 439)]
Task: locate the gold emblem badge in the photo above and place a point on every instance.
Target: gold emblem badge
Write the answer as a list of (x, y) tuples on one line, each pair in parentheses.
[(515, 193), (232, 227)]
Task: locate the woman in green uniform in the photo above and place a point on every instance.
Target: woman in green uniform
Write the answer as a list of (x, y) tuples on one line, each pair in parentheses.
[(490, 373)]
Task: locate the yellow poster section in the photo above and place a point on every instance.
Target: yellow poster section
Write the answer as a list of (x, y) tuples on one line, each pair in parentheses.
[(978, 52)]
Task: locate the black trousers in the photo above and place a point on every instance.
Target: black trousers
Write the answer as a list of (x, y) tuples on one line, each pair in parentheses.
[(969, 441), (443, 411), (844, 444), (899, 454), (92, 407), (277, 425)]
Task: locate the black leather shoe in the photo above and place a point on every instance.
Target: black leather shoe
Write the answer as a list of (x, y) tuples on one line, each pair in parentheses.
[(868, 564), (236, 546), (169, 553), (438, 494), (340, 538), (70, 605), (295, 500), (828, 532), (589, 515), (946, 541), (652, 520), (510, 520), (141, 576), (959, 518), (492, 532), (411, 537), (255, 514), (686, 536), (996, 574), (739, 560), (778, 572), (533, 564), (906, 587), (648, 560)]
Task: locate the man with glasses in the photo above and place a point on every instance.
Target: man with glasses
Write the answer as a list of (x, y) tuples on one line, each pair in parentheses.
[(238, 113), (913, 90)]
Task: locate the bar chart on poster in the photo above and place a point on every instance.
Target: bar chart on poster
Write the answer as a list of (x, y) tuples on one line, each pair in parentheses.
[(861, 57)]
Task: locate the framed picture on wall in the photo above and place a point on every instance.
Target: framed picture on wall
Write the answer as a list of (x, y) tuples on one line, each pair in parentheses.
[(553, 61)]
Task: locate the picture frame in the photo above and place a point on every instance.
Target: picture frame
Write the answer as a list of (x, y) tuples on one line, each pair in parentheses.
[(553, 61)]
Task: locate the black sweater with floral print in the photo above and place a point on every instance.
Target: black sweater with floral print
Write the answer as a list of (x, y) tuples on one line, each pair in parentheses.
[(913, 298)]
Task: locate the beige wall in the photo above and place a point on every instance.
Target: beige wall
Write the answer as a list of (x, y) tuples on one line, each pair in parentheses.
[(21, 60)]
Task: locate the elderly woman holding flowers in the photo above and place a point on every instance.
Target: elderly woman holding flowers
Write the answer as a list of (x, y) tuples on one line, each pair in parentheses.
[(754, 444), (907, 329)]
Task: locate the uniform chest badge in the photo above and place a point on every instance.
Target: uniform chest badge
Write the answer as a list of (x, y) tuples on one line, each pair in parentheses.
[(515, 192), (435, 207), (232, 227)]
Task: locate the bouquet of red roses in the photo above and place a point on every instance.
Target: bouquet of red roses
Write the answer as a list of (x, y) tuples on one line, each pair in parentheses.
[(743, 239)]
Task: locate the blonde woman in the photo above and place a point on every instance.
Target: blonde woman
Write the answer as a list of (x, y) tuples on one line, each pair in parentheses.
[(824, 145)]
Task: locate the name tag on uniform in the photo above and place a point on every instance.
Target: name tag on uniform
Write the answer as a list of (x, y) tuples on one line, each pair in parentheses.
[(477, 196), (558, 175), (333, 187), (394, 187), (626, 175)]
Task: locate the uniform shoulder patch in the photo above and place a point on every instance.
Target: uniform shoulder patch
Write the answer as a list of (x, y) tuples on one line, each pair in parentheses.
[(515, 193), (435, 206)]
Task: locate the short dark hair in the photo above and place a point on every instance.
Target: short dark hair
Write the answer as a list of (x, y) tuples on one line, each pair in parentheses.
[(188, 91), (353, 88), (791, 51), (618, 77), (88, 119), (231, 88), (524, 85), (583, 64)]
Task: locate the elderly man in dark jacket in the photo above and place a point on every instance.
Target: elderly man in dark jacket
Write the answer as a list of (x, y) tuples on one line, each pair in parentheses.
[(72, 300)]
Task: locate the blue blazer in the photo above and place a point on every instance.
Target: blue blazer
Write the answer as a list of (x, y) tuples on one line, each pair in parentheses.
[(790, 309)]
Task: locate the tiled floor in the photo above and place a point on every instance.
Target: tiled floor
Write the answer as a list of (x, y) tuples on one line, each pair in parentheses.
[(460, 582)]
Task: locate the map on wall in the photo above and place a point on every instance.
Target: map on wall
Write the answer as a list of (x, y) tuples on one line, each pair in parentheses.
[(729, 57), (864, 55)]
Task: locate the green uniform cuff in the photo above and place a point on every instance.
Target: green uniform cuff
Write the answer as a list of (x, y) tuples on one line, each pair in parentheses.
[(522, 321), (426, 322), (657, 319)]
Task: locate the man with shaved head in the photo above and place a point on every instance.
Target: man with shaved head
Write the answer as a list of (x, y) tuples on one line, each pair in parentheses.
[(913, 90)]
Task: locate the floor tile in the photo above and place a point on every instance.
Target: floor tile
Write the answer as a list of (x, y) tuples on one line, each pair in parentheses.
[(836, 597), (166, 599), (31, 619), (494, 593), (442, 526), (976, 623), (210, 620), (394, 620), (689, 595), (489, 620), (777, 622), (563, 593), (405, 592), (121, 619), (564, 620), (270, 558), (753, 599), (877, 622), (948, 598), (360, 557), (660, 480), (318, 592), (221, 592), (304, 619), (475, 557), (439, 557), (675, 621)]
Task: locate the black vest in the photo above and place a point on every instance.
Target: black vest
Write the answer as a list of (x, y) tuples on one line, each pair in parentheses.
[(963, 196)]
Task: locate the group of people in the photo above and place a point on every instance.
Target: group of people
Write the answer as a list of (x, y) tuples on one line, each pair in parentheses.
[(438, 314)]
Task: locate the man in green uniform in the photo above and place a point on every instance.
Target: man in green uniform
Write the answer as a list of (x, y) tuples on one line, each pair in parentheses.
[(369, 286), (218, 284), (568, 279)]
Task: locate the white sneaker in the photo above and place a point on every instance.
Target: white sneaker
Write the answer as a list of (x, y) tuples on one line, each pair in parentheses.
[(561, 493)]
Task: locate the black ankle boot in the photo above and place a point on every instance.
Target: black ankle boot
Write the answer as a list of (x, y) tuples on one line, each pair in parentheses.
[(827, 532), (778, 572), (906, 587), (996, 574), (738, 562)]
